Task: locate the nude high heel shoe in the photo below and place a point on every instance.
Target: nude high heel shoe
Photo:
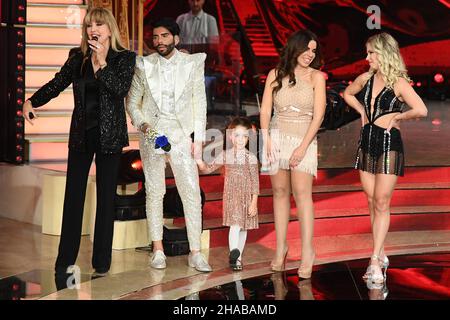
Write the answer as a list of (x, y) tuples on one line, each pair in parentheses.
[(278, 267), (305, 272)]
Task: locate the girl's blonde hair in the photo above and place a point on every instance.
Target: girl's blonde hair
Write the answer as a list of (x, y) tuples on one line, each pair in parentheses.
[(390, 61), (101, 15)]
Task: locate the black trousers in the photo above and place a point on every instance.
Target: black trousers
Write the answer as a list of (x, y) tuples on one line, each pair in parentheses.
[(78, 166)]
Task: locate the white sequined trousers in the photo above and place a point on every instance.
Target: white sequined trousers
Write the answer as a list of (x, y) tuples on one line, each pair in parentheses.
[(185, 173)]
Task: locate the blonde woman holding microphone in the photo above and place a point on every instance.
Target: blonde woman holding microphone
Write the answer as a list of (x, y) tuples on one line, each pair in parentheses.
[(100, 71)]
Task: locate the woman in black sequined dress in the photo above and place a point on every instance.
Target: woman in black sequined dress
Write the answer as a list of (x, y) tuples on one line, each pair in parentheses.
[(384, 92)]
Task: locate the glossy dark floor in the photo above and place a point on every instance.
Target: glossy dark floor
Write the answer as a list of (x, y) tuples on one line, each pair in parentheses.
[(36, 284), (421, 277)]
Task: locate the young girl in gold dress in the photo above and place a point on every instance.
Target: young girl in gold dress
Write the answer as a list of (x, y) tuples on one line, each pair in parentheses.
[(241, 189)]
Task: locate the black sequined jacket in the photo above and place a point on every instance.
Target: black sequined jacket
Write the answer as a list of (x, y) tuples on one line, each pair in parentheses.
[(115, 81)]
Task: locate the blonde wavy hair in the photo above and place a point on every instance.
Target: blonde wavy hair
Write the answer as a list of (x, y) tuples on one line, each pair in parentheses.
[(390, 61), (104, 16)]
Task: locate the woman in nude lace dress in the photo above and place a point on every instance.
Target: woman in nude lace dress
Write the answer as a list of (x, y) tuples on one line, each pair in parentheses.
[(295, 89)]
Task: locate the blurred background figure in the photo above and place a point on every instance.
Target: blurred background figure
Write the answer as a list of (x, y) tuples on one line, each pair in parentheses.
[(196, 26)]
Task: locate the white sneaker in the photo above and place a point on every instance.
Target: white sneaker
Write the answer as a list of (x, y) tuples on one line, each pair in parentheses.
[(198, 261), (158, 260)]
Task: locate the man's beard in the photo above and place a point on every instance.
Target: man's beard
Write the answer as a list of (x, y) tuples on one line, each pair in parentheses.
[(169, 49)]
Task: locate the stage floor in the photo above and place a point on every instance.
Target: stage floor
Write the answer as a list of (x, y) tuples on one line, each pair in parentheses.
[(28, 256), (409, 277)]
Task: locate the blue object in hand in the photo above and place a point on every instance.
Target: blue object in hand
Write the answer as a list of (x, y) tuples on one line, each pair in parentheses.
[(163, 143)]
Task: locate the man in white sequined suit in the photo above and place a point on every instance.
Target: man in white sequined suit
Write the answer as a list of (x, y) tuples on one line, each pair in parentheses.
[(168, 95)]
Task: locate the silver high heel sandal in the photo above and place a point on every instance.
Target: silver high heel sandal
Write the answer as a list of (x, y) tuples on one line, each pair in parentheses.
[(384, 264), (374, 270)]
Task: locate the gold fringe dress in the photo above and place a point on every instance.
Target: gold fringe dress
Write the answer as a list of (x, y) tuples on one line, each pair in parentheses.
[(293, 113)]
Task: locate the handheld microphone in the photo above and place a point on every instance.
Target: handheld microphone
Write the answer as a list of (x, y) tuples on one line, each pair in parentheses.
[(94, 37)]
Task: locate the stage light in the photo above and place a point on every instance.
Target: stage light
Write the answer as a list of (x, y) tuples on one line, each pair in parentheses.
[(325, 75), (419, 84), (129, 171), (436, 122), (132, 206), (13, 62), (137, 165), (438, 78), (436, 87)]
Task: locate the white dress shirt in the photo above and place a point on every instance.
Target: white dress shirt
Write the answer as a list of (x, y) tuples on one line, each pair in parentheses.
[(197, 29), (168, 71)]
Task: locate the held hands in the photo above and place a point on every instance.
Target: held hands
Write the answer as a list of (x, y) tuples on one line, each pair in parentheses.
[(27, 109), (297, 156), (205, 168)]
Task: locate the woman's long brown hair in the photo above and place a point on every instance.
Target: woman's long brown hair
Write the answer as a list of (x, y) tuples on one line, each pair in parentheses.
[(296, 45)]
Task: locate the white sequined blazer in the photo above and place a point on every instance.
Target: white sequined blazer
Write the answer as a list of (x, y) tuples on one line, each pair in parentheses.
[(144, 98)]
